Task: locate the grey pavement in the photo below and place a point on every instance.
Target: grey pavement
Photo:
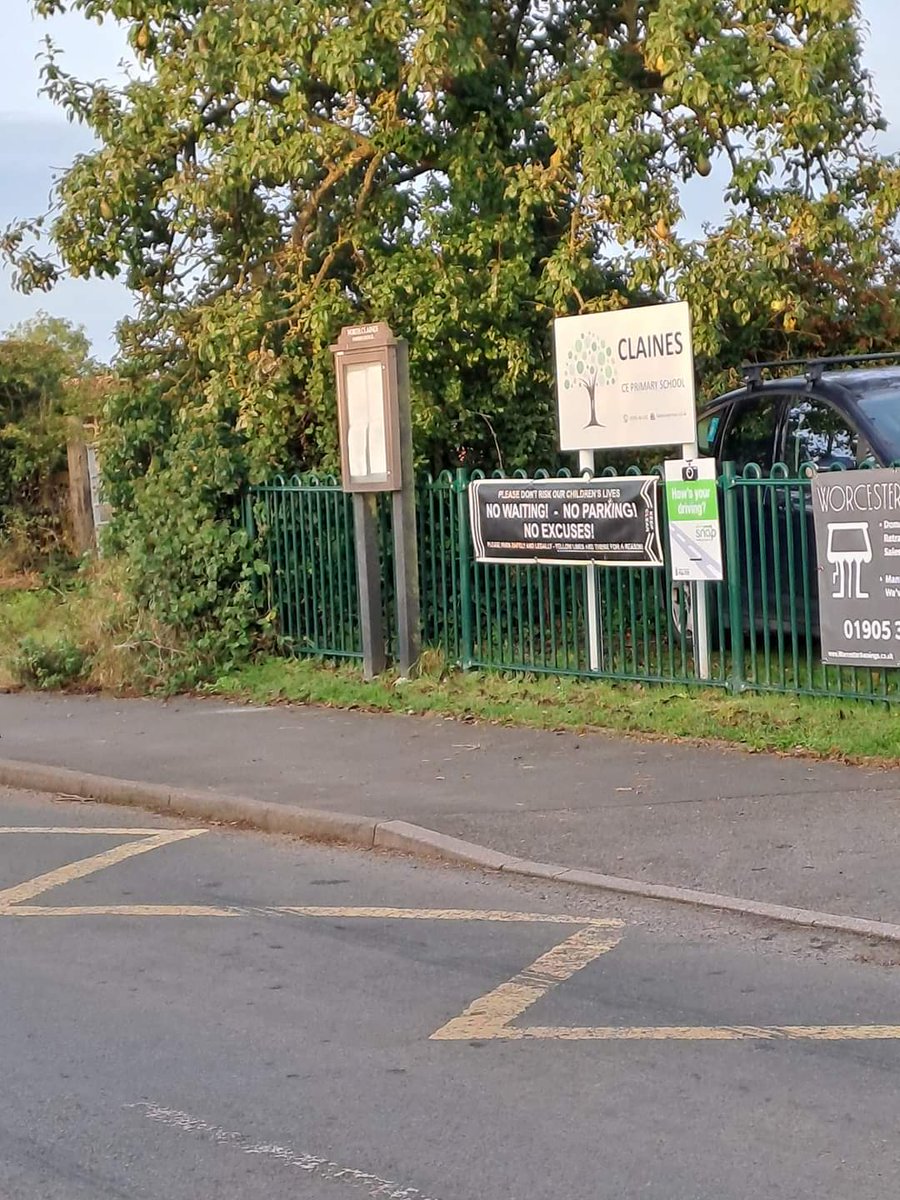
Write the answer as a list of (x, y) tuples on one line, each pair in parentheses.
[(786, 830), (264, 1054)]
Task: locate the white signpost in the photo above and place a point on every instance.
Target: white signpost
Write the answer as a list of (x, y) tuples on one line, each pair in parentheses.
[(625, 379)]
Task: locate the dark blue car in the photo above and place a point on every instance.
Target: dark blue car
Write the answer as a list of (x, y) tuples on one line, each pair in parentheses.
[(832, 413)]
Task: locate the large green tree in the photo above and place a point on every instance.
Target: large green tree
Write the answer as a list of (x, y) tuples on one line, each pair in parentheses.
[(465, 169)]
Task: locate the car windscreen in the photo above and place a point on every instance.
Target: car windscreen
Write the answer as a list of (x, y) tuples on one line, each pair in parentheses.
[(881, 405)]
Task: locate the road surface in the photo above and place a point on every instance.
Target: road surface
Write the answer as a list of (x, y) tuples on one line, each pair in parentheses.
[(211, 1014)]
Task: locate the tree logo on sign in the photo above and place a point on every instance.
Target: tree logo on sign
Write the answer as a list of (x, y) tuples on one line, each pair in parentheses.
[(589, 365)]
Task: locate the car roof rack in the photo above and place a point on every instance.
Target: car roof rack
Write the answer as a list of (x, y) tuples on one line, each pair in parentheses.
[(813, 368)]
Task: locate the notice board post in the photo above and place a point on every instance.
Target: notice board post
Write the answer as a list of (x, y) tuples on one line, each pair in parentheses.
[(376, 456), (368, 581), (406, 548)]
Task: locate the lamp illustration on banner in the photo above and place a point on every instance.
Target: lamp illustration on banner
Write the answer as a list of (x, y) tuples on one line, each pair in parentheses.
[(848, 548)]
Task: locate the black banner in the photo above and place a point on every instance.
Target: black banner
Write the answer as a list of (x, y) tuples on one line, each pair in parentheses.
[(611, 522), (856, 516)]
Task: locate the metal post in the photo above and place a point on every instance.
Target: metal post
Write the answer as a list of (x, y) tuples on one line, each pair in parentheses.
[(733, 579), (368, 575), (406, 542), (699, 602), (586, 462), (461, 489)]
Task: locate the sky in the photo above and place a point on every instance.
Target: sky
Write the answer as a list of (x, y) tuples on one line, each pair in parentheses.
[(36, 141)]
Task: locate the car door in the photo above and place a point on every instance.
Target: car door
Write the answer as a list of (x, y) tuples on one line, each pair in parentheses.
[(752, 431), (751, 436)]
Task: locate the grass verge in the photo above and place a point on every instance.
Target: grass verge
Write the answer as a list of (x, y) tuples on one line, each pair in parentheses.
[(79, 636), (848, 731), (851, 732)]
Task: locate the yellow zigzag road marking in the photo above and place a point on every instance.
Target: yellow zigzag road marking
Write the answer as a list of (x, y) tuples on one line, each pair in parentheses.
[(489, 1017), (88, 866), (120, 910), (96, 830), (688, 1033), (446, 914)]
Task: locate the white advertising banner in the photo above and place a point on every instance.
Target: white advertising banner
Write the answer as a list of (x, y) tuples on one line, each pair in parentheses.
[(625, 378)]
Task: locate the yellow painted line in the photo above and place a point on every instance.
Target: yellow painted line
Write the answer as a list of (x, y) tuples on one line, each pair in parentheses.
[(89, 866), (119, 910), (445, 914), (101, 832), (490, 1016), (686, 1033)]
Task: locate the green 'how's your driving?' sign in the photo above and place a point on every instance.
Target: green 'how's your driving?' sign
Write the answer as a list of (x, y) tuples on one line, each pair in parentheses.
[(692, 509)]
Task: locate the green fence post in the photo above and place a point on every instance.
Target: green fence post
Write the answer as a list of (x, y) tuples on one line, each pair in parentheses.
[(461, 487), (248, 518), (248, 521), (733, 579)]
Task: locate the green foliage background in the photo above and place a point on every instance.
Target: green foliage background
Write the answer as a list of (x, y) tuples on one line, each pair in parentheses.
[(465, 170), (45, 377)]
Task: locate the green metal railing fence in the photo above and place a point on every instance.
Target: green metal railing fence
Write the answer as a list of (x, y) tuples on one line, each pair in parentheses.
[(305, 528), (763, 619), (534, 618)]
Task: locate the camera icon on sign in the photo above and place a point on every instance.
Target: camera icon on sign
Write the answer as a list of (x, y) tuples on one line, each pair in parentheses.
[(690, 473)]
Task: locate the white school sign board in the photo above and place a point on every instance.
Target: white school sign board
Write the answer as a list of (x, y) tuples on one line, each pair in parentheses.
[(626, 378)]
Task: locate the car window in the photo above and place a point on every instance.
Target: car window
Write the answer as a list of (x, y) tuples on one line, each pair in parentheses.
[(881, 406), (707, 430), (817, 433), (750, 436)]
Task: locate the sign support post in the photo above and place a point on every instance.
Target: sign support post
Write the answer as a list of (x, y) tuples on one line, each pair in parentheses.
[(699, 602), (586, 462)]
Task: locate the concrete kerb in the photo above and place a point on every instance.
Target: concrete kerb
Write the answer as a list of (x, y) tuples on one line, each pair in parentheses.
[(198, 805), (404, 836)]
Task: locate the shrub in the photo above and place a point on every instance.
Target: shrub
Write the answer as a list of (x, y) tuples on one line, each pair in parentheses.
[(50, 665)]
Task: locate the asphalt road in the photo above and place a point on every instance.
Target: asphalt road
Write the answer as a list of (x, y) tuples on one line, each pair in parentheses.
[(182, 1020)]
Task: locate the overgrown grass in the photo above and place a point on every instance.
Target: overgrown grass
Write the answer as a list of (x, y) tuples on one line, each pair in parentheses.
[(853, 732), (39, 614), (80, 633)]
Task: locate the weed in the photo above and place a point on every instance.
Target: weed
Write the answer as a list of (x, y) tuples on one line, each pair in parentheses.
[(50, 665)]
